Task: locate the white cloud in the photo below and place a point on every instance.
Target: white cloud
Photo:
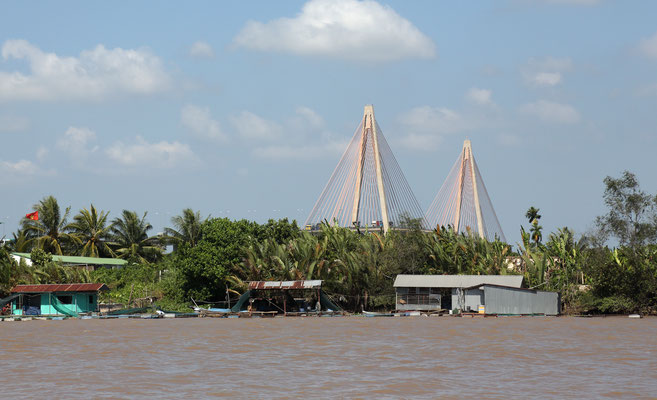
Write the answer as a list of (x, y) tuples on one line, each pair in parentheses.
[(95, 74), (480, 96), (201, 50), (16, 172), (22, 167), (648, 46), (252, 126), (548, 111), (306, 130), (307, 116), (199, 121), (425, 126), (345, 29), (75, 143), (434, 120), (546, 78), (546, 72), (13, 123), (303, 152), (153, 155)]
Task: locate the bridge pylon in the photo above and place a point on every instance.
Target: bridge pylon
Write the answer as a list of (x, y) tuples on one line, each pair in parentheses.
[(367, 187), (463, 202)]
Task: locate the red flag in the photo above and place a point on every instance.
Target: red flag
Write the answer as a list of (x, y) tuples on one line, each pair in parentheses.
[(33, 216)]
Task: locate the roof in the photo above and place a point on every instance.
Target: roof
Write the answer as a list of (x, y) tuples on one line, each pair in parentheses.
[(457, 281), (66, 287), (80, 260), (285, 285)]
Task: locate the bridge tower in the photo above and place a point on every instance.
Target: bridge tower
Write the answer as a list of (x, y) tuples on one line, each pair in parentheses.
[(367, 187), (463, 202)]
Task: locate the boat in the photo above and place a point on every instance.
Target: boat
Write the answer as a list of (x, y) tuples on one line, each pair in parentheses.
[(376, 314)]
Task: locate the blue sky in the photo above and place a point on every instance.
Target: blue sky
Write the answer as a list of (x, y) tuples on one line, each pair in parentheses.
[(243, 109)]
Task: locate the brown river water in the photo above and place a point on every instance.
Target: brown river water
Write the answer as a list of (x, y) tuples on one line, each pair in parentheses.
[(349, 357)]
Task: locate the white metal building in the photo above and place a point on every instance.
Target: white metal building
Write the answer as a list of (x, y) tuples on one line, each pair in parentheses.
[(496, 294)]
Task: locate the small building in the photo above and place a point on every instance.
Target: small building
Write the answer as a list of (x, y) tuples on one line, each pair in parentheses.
[(491, 294), (285, 297), (69, 299), (444, 292), (90, 263), (503, 300)]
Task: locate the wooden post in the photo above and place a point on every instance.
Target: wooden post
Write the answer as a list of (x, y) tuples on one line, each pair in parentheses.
[(284, 304)]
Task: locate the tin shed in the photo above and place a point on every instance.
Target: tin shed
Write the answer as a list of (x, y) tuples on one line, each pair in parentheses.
[(436, 292)]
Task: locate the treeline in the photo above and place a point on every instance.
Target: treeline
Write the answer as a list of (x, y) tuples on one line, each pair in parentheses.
[(212, 258)]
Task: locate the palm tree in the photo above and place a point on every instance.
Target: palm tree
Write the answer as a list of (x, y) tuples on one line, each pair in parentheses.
[(90, 227), (50, 231), (532, 214), (131, 240), (20, 243), (536, 233), (187, 228)]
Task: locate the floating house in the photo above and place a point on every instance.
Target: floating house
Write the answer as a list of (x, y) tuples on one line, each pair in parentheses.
[(490, 294), (69, 299), (285, 297), (90, 263)]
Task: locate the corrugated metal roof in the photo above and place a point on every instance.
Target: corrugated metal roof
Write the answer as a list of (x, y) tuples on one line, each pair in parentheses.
[(285, 285), (66, 287), (80, 260), (457, 281)]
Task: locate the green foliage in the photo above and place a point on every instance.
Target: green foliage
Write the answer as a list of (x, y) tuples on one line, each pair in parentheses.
[(217, 255), (51, 231), (40, 258), (130, 282), (187, 229), (93, 233), (632, 215), (130, 238), (201, 271)]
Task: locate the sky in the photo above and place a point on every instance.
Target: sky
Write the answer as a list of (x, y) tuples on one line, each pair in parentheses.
[(243, 109)]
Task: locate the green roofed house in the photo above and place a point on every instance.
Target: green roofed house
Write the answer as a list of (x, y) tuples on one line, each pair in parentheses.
[(90, 263), (70, 299)]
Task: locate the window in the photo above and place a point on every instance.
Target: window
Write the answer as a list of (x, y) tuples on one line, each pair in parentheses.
[(66, 299), (91, 299)]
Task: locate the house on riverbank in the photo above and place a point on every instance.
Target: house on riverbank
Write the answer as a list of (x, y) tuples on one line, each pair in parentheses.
[(490, 294), (90, 263), (69, 299)]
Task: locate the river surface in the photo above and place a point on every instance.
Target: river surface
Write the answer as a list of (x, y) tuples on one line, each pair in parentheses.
[(349, 357)]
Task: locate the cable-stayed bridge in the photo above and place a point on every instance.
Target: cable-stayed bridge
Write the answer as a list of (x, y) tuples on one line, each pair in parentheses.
[(463, 202), (368, 189)]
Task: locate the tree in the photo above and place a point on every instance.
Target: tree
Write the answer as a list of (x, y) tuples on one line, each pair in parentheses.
[(201, 271), (533, 216), (91, 229), (51, 231), (130, 238), (632, 216), (187, 228)]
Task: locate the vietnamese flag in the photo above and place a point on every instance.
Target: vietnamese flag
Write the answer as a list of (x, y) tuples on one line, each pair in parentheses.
[(33, 216)]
